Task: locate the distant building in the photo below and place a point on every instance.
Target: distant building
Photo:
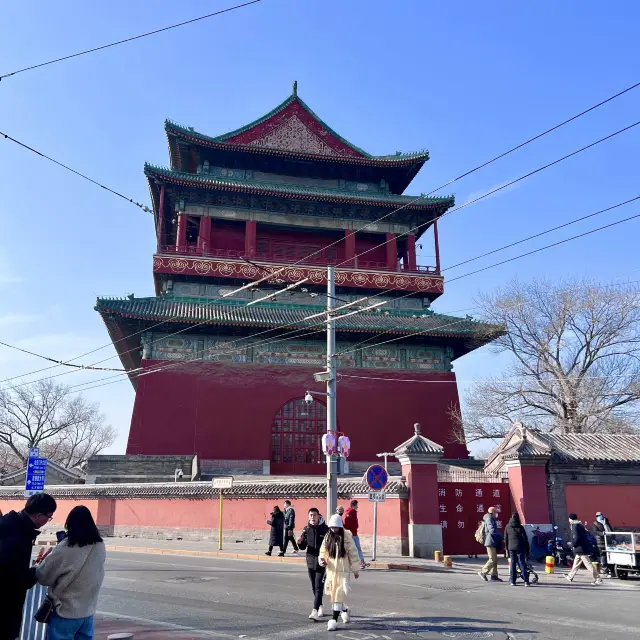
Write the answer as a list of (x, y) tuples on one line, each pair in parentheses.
[(225, 381), (56, 475)]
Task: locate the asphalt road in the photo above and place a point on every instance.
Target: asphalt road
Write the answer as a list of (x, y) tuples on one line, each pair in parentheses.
[(222, 598)]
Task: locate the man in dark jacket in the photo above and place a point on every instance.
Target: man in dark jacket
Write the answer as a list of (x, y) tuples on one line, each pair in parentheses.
[(516, 543), (582, 550), (600, 527), (351, 524), (18, 532), (289, 526), (492, 542), (311, 540)]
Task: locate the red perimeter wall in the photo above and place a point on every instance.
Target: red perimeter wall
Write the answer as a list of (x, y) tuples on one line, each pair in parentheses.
[(221, 411), (619, 502)]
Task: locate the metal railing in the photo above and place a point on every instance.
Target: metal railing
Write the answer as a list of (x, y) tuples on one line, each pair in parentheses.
[(321, 261)]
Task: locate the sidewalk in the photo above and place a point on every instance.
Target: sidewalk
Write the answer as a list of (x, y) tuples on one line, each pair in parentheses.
[(243, 551), (106, 626)]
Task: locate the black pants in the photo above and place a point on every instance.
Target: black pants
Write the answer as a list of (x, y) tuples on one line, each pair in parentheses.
[(317, 578), (289, 537)]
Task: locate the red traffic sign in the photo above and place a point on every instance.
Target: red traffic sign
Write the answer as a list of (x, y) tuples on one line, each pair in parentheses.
[(377, 477)]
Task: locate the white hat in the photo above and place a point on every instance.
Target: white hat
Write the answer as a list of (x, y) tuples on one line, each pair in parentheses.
[(336, 521)]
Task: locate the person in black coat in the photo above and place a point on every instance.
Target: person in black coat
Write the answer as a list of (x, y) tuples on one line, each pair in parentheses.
[(311, 540), (516, 543), (18, 532), (276, 537), (600, 527)]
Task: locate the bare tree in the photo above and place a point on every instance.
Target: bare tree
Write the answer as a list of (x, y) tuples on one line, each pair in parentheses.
[(575, 361), (67, 428)]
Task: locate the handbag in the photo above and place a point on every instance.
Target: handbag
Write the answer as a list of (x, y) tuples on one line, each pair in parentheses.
[(46, 609)]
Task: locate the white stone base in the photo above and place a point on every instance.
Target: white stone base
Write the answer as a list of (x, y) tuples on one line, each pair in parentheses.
[(424, 539)]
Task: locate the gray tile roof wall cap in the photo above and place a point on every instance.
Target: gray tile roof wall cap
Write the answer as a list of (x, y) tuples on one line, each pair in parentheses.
[(595, 448), (419, 445), (312, 488)]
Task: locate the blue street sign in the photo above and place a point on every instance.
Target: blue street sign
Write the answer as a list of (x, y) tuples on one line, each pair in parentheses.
[(377, 477), (36, 474)]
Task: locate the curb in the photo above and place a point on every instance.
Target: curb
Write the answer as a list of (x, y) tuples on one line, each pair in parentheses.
[(389, 566)]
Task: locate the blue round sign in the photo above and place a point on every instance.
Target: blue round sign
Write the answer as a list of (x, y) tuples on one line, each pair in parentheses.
[(377, 477)]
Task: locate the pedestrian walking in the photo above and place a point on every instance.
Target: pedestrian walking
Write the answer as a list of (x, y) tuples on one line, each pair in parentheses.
[(600, 527), (516, 543), (289, 526), (351, 525), (340, 557), (340, 511), (582, 550), (276, 537), (18, 532), (74, 572), (311, 541), (492, 542)]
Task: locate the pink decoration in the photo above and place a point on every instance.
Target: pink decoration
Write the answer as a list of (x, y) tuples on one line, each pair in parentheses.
[(329, 444), (344, 446)]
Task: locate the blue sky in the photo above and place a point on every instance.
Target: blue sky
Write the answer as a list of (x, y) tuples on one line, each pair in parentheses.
[(465, 80)]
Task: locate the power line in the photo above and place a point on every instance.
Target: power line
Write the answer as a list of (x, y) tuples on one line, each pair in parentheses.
[(58, 362), (542, 233), (274, 274), (78, 173), (138, 37)]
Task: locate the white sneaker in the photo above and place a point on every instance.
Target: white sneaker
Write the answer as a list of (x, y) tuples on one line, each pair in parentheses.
[(598, 581), (332, 625), (314, 615), (320, 612), (345, 616)]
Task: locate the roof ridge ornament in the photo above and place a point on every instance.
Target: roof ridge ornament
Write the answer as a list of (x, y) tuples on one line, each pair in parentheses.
[(417, 428), (295, 89)]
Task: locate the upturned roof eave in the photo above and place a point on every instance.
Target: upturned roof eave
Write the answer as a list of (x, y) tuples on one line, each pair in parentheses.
[(199, 181)]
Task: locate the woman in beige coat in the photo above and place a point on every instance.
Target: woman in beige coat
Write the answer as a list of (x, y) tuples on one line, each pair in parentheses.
[(340, 556)]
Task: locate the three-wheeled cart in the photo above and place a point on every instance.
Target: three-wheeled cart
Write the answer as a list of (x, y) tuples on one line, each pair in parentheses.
[(623, 553)]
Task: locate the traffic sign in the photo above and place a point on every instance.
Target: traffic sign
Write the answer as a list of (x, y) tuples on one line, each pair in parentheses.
[(36, 474), (376, 496), (377, 477), (222, 483)]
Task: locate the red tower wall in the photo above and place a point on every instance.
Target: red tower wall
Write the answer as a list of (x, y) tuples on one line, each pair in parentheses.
[(221, 411)]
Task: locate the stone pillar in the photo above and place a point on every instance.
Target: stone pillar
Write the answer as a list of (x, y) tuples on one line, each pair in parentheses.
[(181, 235), (411, 252), (392, 251), (419, 458), (250, 232), (349, 248), (528, 485), (204, 234)]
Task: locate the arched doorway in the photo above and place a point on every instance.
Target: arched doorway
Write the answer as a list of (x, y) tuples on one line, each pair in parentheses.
[(296, 437)]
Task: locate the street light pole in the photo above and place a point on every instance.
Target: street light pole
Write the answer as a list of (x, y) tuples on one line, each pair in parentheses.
[(332, 461)]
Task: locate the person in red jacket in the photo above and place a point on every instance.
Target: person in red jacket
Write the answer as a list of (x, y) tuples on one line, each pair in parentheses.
[(351, 524)]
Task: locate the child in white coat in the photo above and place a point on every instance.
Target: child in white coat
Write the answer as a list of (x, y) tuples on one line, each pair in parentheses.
[(340, 556)]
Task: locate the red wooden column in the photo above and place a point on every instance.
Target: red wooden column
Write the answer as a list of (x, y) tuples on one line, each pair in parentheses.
[(160, 229), (350, 248), (204, 233), (411, 252), (181, 236), (419, 458), (392, 251), (250, 233), (437, 245)]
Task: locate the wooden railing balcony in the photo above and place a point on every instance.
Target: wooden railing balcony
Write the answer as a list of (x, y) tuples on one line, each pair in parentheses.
[(280, 258)]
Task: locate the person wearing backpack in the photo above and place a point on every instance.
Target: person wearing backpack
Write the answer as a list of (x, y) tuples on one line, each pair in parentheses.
[(582, 549), (492, 541)]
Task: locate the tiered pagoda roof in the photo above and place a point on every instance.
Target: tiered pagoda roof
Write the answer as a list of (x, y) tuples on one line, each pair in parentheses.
[(292, 131)]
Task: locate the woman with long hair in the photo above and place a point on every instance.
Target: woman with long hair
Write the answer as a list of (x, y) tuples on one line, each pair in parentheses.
[(340, 557), (74, 572)]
